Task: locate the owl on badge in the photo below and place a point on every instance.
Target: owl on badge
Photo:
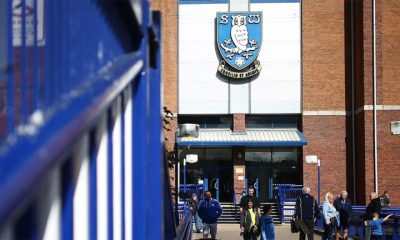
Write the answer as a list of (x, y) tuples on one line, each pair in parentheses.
[(239, 34)]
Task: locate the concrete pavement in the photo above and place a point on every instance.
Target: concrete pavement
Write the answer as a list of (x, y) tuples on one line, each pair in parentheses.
[(232, 232)]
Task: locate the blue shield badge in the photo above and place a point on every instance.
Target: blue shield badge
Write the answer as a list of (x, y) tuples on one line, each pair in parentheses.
[(239, 37)]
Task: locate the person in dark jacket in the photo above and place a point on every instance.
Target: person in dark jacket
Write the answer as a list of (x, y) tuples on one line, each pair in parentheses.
[(249, 220), (306, 211), (209, 212), (374, 206), (343, 206), (253, 198)]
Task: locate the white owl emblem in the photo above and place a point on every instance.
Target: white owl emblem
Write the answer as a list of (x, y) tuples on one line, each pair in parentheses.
[(239, 34)]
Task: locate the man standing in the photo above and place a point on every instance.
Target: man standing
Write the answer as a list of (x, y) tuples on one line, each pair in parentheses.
[(209, 212), (254, 199), (343, 206), (374, 206), (306, 211)]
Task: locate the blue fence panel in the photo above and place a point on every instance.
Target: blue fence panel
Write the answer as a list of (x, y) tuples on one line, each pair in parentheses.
[(64, 70)]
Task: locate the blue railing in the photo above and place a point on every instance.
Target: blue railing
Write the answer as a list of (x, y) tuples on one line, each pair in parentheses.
[(356, 223), (287, 194), (80, 122)]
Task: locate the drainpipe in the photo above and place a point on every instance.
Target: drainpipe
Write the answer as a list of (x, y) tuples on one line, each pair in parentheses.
[(353, 140), (374, 107)]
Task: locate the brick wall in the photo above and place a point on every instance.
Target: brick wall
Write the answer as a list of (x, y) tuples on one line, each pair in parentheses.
[(239, 122), (326, 139), (323, 55)]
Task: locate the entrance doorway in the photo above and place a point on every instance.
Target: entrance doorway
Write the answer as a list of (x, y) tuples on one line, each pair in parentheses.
[(259, 177), (219, 181)]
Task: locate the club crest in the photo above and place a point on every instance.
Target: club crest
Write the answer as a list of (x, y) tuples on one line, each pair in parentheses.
[(239, 37)]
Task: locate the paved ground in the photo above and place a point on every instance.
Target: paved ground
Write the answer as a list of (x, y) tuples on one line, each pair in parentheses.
[(231, 232)]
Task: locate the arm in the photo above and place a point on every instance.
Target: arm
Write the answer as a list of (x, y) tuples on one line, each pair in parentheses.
[(242, 222), (316, 210), (297, 208), (219, 209), (263, 228), (387, 217)]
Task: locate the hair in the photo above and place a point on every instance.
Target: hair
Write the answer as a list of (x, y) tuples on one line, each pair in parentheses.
[(344, 192), (385, 192), (266, 209), (375, 214), (251, 202), (327, 195), (207, 192), (306, 190), (373, 195), (251, 187)]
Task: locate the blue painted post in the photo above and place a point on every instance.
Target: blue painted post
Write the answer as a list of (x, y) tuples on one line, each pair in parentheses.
[(10, 73), (245, 185), (24, 91), (256, 186), (319, 181), (93, 148), (155, 146), (67, 231), (205, 183), (184, 185)]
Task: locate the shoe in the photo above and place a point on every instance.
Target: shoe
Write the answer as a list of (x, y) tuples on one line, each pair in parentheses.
[(198, 231)]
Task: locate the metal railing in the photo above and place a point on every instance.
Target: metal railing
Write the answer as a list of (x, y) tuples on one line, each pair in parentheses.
[(80, 122), (287, 193), (356, 223)]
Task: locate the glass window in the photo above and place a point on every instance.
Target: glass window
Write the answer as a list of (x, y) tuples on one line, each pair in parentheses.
[(273, 121), (207, 121), (258, 155)]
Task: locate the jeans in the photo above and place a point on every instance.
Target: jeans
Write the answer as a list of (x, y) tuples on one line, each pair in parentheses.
[(329, 230), (210, 228), (197, 222)]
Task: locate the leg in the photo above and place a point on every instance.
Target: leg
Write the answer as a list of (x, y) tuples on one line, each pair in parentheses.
[(302, 236), (247, 236), (197, 222), (310, 227), (213, 230), (206, 230)]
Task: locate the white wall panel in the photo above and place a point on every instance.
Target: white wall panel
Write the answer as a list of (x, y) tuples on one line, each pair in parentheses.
[(278, 87), (200, 90)]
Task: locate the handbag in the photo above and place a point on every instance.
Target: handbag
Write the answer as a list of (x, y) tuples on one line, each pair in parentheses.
[(293, 226)]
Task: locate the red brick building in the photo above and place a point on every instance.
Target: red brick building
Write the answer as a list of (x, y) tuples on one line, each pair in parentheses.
[(349, 77)]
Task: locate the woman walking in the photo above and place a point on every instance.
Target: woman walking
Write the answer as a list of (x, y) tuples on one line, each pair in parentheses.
[(330, 222), (249, 222)]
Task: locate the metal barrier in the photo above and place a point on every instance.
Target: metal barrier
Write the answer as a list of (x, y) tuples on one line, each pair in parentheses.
[(287, 195), (184, 230), (80, 122), (356, 223)]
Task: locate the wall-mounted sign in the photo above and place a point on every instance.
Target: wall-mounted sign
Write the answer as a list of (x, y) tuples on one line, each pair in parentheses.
[(395, 127), (239, 37)]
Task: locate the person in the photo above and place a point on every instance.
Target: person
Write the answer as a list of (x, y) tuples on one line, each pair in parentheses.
[(193, 207), (249, 220), (374, 206), (241, 196), (250, 196), (385, 199), (343, 206), (330, 220), (376, 225), (306, 211), (267, 224), (209, 212)]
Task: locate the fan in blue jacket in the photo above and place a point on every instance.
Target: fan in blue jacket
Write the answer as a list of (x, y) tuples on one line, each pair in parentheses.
[(209, 209), (267, 224)]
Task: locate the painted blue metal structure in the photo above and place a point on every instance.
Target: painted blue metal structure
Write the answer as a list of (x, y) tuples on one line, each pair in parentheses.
[(82, 85)]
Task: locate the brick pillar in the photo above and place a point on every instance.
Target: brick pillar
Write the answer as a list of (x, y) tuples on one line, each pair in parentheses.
[(239, 171), (239, 122)]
